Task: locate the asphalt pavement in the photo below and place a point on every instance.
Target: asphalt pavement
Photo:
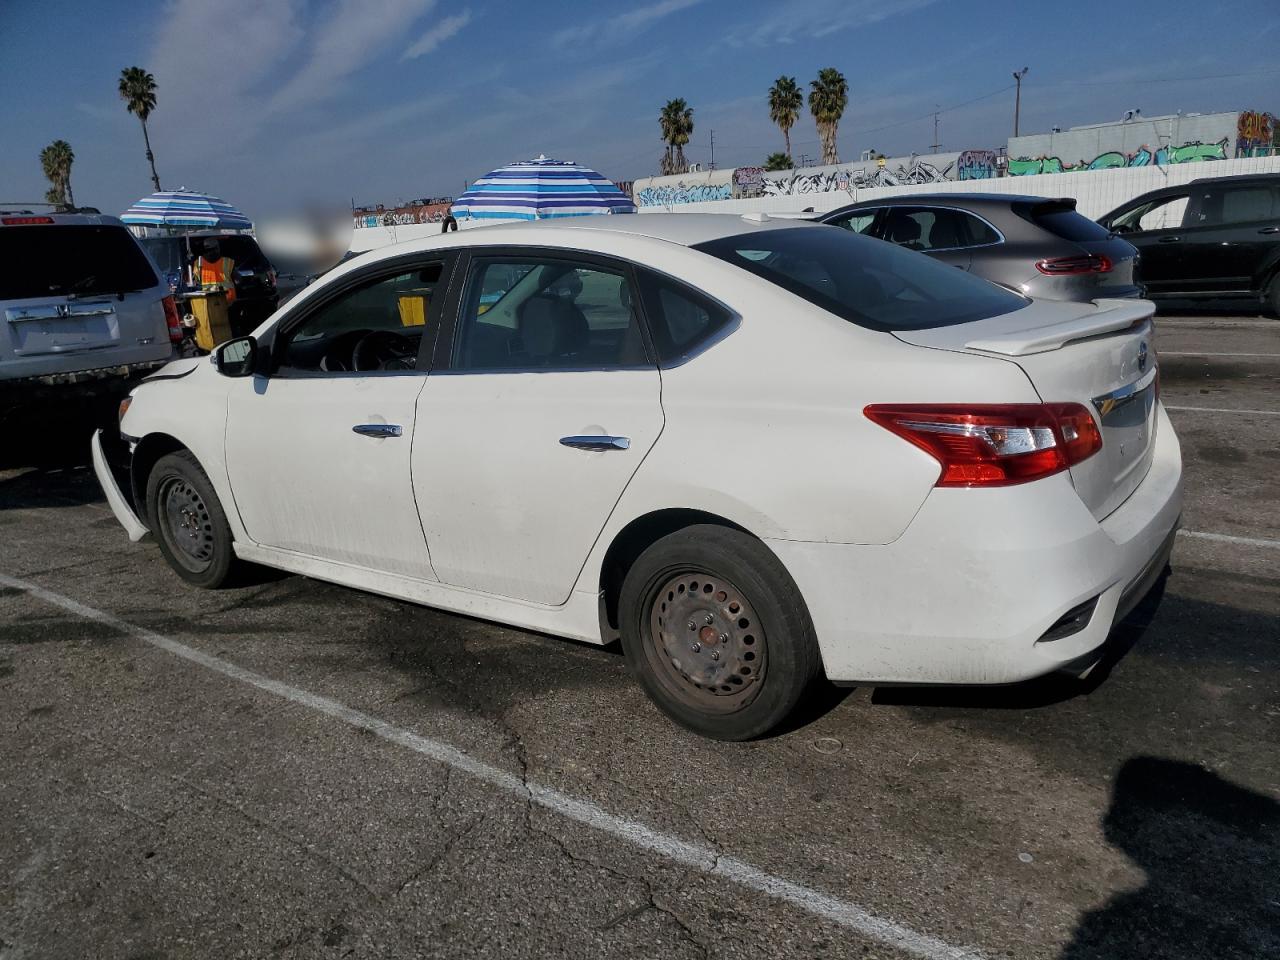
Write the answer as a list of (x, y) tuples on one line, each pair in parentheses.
[(292, 769)]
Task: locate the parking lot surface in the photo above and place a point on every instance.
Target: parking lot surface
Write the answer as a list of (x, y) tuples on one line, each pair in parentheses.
[(293, 769)]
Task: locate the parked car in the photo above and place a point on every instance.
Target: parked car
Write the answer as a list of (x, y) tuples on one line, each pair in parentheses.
[(1039, 247), (755, 449), (83, 309), (254, 276), (1216, 238)]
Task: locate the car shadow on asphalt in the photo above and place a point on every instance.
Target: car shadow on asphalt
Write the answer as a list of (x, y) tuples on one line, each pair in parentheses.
[(1210, 850), (1043, 691)]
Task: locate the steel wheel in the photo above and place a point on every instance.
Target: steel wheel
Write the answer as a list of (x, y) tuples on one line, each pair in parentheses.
[(186, 524), (705, 642)]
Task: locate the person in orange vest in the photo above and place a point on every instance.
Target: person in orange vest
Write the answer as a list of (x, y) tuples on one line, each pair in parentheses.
[(212, 271)]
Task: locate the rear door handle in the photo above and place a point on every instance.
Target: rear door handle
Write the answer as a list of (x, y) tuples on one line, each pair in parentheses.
[(378, 429), (1270, 230), (1170, 239), (596, 443)]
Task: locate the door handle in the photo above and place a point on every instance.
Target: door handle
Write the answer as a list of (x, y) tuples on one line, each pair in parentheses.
[(378, 429), (596, 443), (1270, 230), (1170, 239)]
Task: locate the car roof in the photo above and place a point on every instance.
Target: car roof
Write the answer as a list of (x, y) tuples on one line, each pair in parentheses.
[(1238, 178), (686, 229), (957, 200)]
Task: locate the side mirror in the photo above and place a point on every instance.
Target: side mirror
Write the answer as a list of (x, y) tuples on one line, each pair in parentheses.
[(236, 358)]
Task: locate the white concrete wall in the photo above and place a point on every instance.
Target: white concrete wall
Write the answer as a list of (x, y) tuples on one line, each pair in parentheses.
[(1096, 191), (370, 238)]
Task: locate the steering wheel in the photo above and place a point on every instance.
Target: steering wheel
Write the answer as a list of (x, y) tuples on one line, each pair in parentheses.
[(384, 350)]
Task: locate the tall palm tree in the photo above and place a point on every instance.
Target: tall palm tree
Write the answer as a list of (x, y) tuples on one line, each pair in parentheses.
[(138, 91), (828, 96), (676, 120), (56, 160), (777, 161), (785, 101)]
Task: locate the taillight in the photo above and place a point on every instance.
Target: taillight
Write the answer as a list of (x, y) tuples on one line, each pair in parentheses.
[(994, 445), (1066, 266), (24, 221), (124, 408), (172, 320)]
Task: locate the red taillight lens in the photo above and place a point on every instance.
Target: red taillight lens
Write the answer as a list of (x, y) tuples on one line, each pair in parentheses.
[(24, 221), (994, 445), (1066, 266), (172, 320)]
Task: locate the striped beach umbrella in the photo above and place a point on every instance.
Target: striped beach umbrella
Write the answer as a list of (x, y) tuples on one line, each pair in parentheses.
[(540, 189), (185, 208)]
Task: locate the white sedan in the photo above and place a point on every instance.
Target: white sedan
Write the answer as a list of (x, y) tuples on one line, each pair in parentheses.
[(755, 450)]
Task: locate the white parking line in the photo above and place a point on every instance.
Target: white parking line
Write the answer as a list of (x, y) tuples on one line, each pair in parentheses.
[(1202, 353), (1256, 413), (692, 855), (1227, 538)]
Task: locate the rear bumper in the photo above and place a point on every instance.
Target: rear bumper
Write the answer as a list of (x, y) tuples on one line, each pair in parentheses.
[(77, 382), (116, 499), (965, 595)]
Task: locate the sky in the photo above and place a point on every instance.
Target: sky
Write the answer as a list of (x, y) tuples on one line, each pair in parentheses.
[(271, 104)]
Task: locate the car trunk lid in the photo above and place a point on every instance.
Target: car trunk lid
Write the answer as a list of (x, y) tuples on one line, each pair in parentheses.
[(1107, 265), (1098, 355)]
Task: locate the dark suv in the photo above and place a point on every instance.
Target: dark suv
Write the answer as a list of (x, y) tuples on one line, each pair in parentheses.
[(1039, 247), (254, 276), (1213, 239)]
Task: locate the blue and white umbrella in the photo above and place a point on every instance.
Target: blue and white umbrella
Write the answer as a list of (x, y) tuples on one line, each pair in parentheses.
[(540, 189), (184, 208)]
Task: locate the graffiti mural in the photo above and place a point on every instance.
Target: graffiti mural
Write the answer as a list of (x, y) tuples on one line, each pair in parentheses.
[(1144, 156), (977, 165), (1257, 134), (670, 195), (912, 171), (423, 211), (748, 181)]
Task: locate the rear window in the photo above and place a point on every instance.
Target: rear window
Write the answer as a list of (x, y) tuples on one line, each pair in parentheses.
[(54, 260), (868, 282), (1063, 221)]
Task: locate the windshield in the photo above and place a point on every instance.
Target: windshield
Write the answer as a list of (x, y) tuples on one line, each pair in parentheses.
[(868, 282), (81, 260)]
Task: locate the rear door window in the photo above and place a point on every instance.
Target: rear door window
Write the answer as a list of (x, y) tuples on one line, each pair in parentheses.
[(84, 260), (860, 221), (866, 282), (681, 319), (1244, 204)]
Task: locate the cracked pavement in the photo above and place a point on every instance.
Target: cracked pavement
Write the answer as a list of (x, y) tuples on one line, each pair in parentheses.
[(152, 808)]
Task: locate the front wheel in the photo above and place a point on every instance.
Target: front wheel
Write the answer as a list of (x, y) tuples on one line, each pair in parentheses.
[(717, 633), (188, 522)]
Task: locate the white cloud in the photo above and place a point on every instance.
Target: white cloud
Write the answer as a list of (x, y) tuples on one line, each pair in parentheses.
[(799, 20), (437, 35), (354, 34), (619, 27)]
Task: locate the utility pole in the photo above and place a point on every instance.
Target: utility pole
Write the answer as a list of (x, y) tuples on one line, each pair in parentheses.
[(713, 149), (803, 158), (936, 110), (1017, 97)]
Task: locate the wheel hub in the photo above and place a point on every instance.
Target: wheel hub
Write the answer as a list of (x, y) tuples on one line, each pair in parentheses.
[(190, 528), (707, 636)]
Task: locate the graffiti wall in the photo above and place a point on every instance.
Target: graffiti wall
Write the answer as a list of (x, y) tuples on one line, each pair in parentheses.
[(1257, 135), (1144, 156), (895, 172), (977, 165), (674, 194), (432, 211)]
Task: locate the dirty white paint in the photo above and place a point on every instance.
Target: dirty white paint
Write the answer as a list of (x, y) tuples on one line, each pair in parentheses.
[(695, 856)]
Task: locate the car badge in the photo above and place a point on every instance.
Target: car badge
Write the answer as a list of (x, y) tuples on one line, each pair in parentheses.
[(1142, 356)]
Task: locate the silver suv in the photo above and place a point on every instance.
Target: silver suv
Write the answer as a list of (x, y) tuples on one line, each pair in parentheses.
[(80, 303)]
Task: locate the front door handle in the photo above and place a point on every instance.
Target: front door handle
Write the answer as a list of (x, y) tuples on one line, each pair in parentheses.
[(1270, 230), (597, 443), (1170, 239), (378, 429)]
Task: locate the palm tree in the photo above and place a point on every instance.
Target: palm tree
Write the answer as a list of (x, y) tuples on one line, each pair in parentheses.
[(777, 161), (56, 160), (785, 101), (828, 96), (676, 120), (138, 91)]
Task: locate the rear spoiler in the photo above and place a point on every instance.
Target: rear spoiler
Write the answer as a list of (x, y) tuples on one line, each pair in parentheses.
[(1109, 316)]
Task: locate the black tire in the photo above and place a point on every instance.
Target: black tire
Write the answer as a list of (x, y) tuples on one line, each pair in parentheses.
[(752, 622), (1271, 297), (188, 522)]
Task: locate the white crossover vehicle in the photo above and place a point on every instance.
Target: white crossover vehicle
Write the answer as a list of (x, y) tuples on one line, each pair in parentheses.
[(756, 450)]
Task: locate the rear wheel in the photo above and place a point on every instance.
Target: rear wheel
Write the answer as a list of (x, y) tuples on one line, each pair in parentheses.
[(717, 632), (1271, 297), (188, 522)]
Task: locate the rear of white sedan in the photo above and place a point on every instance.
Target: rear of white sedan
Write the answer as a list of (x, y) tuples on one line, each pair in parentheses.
[(756, 451)]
